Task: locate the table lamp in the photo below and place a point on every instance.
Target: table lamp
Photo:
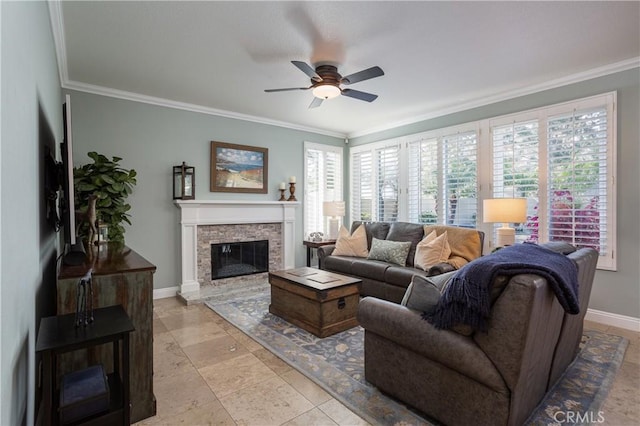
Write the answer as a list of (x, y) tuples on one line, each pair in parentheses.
[(335, 210), (505, 211)]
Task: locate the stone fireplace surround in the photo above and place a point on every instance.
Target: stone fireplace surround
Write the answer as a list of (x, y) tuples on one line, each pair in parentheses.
[(197, 216)]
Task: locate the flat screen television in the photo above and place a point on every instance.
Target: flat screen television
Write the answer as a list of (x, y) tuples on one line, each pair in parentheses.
[(74, 250)]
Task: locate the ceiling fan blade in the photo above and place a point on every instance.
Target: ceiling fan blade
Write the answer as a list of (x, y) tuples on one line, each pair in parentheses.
[(363, 96), (307, 69), (315, 103), (372, 72), (287, 89)]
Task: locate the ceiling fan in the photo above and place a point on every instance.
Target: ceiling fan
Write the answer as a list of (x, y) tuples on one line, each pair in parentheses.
[(326, 81)]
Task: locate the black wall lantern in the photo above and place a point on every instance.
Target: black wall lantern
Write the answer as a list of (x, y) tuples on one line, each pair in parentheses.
[(184, 182)]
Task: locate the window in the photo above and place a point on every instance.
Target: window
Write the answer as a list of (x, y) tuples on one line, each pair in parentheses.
[(578, 193), (442, 179), (515, 171), (561, 161), (560, 158), (375, 173), (323, 182)]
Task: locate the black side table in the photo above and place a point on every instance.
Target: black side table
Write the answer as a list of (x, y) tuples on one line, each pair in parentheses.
[(58, 334)]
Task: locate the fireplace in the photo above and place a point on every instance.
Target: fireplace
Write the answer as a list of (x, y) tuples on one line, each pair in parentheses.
[(206, 222), (234, 259)]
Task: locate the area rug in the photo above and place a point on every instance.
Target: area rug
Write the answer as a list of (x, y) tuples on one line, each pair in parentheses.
[(336, 364)]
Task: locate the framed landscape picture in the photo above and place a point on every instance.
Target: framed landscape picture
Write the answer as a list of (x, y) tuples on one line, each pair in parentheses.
[(239, 168)]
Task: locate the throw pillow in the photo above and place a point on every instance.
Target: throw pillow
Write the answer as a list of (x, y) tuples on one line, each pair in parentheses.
[(390, 251), (431, 250), (423, 293), (351, 245)]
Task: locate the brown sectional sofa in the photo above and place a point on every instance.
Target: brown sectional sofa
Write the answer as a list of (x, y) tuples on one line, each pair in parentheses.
[(483, 378), (384, 280)]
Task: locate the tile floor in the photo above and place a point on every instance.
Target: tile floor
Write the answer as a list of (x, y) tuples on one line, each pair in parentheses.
[(209, 372)]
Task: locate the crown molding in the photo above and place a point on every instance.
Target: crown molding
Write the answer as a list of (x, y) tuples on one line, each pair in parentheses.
[(57, 29), (136, 97), (511, 94)]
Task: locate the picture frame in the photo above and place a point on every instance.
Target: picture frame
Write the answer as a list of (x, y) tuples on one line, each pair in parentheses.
[(239, 168)]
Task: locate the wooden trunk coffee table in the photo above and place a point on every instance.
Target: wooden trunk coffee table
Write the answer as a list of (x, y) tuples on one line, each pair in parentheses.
[(321, 302)]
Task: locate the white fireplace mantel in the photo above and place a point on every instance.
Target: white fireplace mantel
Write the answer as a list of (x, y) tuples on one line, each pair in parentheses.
[(194, 213)]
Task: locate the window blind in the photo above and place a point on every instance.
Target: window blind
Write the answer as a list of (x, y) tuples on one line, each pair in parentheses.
[(516, 171), (577, 176), (460, 179), (362, 186), (388, 183), (422, 181), (323, 182)]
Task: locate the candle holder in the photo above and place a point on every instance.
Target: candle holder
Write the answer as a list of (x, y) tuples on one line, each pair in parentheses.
[(282, 195), (292, 190)]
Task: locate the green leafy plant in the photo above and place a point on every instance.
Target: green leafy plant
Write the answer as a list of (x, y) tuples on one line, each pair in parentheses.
[(111, 185)]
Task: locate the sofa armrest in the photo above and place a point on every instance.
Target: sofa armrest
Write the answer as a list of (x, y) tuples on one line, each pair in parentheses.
[(440, 268), (406, 328), (323, 252)]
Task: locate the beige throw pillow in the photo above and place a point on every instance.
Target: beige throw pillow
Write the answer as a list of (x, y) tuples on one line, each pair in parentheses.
[(352, 245), (431, 250)]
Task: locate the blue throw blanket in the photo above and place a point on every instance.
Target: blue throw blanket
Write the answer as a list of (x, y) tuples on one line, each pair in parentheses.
[(467, 298)]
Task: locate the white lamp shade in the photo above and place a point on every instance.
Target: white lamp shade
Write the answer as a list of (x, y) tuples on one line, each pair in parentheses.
[(333, 208), (505, 210), (326, 91)]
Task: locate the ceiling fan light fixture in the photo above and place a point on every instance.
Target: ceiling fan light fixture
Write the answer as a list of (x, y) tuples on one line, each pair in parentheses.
[(326, 91)]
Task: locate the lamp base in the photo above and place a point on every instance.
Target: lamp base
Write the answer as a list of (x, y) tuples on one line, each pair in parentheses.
[(506, 236), (333, 228)]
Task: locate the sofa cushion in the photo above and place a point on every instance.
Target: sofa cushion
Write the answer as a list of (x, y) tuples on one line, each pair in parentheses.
[(403, 231), (466, 244), (366, 268), (351, 245), (390, 251), (431, 250), (377, 230), (340, 264), (401, 276)]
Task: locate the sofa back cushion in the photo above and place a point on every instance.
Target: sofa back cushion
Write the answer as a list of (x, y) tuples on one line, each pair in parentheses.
[(404, 231), (465, 243), (377, 230)]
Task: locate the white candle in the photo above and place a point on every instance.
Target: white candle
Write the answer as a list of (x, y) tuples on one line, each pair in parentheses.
[(282, 185), (292, 179)]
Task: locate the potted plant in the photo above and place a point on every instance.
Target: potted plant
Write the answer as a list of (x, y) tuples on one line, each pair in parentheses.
[(109, 185)]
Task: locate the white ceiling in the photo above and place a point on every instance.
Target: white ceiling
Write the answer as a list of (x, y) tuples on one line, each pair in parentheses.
[(438, 57)]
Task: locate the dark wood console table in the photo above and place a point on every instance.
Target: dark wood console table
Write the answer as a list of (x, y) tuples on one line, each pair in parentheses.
[(59, 335), (120, 277)]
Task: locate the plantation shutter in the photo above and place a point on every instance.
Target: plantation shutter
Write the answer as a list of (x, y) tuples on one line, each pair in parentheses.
[(362, 186), (388, 183), (516, 171), (323, 182), (578, 188), (422, 184), (460, 179)]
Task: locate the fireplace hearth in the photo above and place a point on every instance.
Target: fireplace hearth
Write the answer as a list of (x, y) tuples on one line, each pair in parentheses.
[(235, 259)]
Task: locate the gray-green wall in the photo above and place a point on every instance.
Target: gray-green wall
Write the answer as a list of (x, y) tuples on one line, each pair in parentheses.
[(613, 292), (152, 139), (31, 118)]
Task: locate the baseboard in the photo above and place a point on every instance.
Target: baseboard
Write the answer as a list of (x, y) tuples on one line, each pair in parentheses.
[(615, 320), (163, 293)]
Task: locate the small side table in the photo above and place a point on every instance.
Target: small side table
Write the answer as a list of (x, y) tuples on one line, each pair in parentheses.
[(314, 245), (58, 334)]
